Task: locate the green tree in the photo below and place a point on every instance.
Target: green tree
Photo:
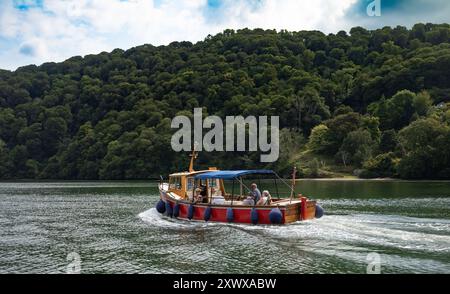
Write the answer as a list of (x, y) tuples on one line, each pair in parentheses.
[(388, 141), (319, 140), (6, 166), (356, 148), (424, 145), (396, 112), (382, 165), (422, 103)]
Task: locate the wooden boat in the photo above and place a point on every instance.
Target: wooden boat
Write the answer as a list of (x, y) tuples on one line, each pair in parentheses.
[(179, 199)]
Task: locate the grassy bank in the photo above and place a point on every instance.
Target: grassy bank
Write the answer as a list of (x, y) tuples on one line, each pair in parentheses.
[(311, 165)]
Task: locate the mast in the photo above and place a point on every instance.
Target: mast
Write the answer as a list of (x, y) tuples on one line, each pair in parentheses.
[(193, 155)]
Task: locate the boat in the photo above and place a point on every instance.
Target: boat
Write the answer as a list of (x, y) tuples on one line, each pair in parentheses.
[(179, 198)]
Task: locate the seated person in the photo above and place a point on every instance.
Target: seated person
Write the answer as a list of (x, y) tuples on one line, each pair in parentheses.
[(190, 196), (255, 194), (265, 198), (216, 192), (203, 191), (249, 201), (198, 197)]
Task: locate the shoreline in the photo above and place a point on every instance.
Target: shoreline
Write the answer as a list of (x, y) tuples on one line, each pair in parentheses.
[(349, 178), (332, 179), (356, 179)]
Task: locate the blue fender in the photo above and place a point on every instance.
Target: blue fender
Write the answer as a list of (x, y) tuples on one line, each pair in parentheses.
[(319, 211), (169, 209), (275, 216), (161, 206), (230, 215), (191, 211), (254, 216), (207, 214), (176, 210)]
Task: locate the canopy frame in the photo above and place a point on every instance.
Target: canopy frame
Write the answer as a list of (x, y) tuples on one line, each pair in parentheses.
[(231, 174), (237, 176)]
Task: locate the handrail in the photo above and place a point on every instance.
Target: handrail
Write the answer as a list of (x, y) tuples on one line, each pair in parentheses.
[(291, 189)]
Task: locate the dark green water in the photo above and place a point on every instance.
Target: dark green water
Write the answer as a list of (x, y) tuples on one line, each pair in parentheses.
[(115, 229)]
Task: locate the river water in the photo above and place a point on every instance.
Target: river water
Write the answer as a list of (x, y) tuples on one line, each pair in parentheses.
[(112, 227)]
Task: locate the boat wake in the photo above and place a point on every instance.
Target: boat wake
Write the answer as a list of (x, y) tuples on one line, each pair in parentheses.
[(424, 234), (154, 218), (402, 242)]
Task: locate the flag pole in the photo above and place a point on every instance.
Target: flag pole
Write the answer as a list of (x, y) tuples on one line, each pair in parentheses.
[(293, 183)]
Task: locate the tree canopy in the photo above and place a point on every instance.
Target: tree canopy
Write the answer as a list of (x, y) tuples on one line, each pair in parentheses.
[(377, 100)]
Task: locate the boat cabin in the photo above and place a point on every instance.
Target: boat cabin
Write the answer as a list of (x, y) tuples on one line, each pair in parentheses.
[(210, 185), (185, 184), (201, 196)]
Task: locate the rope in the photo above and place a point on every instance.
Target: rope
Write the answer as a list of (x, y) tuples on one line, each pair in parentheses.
[(284, 182)]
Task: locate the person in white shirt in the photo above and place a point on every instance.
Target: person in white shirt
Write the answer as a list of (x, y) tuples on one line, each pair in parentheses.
[(265, 198)]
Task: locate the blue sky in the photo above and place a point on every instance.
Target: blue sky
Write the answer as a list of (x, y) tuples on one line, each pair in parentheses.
[(37, 31)]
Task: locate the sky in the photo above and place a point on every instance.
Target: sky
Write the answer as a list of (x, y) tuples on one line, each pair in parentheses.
[(38, 31)]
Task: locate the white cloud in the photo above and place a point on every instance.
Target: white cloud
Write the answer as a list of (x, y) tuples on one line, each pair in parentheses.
[(325, 15), (62, 29)]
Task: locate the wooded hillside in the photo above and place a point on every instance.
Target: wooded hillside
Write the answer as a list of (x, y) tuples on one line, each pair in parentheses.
[(377, 101)]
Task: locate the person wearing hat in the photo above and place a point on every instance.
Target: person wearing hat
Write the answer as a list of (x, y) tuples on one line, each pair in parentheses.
[(255, 194)]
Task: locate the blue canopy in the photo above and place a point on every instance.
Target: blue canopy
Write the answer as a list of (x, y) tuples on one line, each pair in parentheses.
[(232, 174)]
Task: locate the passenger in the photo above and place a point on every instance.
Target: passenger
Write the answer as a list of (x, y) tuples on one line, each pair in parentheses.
[(216, 192), (265, 199), (198, 197), (255, 193), (203, 190), (249, 201)]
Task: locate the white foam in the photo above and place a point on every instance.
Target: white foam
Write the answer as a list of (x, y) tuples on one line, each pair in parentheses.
[(156, 219), (365, 229)]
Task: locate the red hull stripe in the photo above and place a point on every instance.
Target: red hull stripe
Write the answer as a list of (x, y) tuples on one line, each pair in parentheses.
[(219, 214)]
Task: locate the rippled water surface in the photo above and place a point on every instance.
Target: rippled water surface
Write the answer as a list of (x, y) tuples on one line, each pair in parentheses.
[(115, 229)]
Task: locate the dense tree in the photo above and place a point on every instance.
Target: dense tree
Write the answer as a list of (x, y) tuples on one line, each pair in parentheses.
[(395, 112), (388, 141), (339, 127), (356, 148), (422, 103), (382, 165), (6, 165), (320, 139), (363, 97), (424, 145)]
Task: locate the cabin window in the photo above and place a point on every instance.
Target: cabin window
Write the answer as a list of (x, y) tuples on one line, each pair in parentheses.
[(212, 183), (214, 187), (175, 183), (190, 184)]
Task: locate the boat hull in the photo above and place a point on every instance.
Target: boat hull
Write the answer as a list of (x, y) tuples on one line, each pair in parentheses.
[(291, 211)]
